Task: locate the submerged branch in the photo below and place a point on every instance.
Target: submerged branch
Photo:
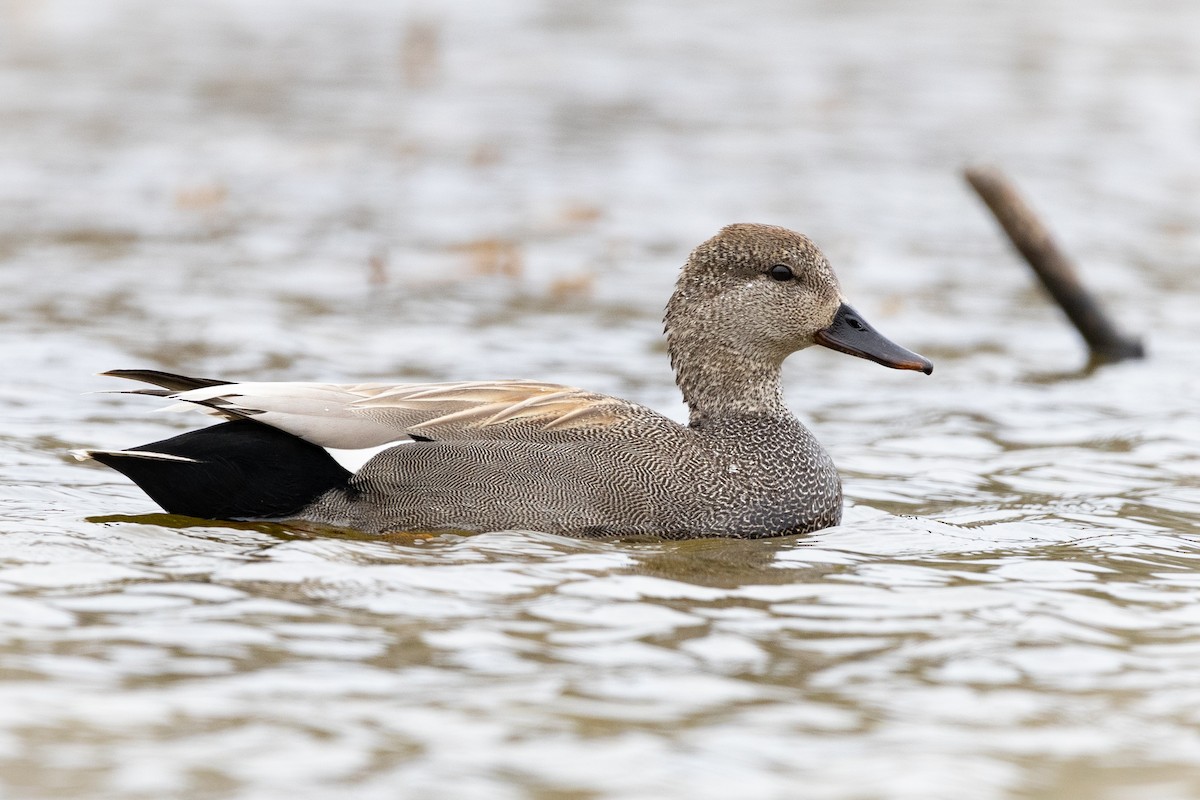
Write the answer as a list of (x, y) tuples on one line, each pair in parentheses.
[(1105, 342)]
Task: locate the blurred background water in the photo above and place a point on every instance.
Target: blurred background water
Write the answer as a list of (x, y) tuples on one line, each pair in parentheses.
[(360, 190)]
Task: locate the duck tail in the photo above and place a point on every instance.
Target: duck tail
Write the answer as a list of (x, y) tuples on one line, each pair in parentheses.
[(236, 470)]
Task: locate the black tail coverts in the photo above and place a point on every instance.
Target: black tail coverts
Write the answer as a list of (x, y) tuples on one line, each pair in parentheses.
[(240, 470)]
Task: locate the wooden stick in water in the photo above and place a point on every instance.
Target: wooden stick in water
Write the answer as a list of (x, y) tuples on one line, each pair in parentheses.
[(1105, 342)]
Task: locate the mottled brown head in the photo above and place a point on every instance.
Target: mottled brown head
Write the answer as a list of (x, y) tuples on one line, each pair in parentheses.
[(747, 299), (759, 289)]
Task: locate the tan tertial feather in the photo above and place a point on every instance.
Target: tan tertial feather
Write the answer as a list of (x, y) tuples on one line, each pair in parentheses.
[(352, 416)]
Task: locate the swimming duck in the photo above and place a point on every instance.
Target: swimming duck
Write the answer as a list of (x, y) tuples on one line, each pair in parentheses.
[(516, 454)]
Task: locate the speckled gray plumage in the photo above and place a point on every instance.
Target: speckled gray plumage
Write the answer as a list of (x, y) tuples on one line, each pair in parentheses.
[(744, 476), (493, 455)]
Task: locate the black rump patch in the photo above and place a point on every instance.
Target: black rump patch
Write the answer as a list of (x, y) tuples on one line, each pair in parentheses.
[(240, 470)]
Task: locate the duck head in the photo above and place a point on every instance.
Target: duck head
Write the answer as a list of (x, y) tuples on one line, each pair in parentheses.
[(770, 291), (751, 296)]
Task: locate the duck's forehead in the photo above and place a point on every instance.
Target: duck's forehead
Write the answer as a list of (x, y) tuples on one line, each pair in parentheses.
[(759, 242)]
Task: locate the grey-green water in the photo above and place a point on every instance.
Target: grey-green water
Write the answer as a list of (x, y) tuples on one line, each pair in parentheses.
[(373, 191)]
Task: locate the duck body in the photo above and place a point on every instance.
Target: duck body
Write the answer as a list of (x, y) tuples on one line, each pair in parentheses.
[(725, 479), (495, 455)]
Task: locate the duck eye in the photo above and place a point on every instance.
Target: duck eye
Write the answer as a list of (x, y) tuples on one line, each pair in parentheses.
[(781, 272)]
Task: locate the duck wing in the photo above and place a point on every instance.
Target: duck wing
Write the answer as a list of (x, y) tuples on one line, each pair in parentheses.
[(354, 416)]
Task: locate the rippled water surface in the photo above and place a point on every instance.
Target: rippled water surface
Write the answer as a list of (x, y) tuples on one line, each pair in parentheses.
[(390, 191)]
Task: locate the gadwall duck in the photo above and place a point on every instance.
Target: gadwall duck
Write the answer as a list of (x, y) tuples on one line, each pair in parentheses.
[(496, 455)]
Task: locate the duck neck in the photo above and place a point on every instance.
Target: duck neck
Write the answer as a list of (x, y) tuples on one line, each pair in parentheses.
[(719, 381)]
